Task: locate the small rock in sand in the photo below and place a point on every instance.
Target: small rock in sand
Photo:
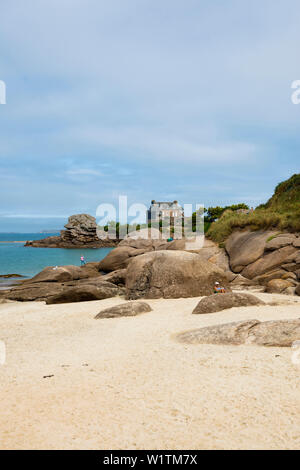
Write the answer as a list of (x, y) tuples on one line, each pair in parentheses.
[(217, 302), (281, 333), (129, 309)]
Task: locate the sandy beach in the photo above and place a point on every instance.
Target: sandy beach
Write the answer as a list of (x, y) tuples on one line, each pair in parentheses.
[(72, 382)]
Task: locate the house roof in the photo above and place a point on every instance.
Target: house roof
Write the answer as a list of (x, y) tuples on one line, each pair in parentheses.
[(166, 203)]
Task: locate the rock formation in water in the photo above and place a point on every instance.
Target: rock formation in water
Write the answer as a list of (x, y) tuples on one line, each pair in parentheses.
[(81, 232)]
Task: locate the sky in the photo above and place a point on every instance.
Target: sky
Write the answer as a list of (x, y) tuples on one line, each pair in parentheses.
[(175, 99)]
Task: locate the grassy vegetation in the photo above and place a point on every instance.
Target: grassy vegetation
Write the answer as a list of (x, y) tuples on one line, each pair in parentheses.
[(206, 226), (281, 212), (286, 196), (273, 236)]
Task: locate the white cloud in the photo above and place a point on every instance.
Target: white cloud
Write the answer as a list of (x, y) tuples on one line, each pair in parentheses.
[(140, 143), (84, 172), (33, 216)]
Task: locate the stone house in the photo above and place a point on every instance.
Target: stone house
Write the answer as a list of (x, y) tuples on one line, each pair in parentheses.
[(165, 211)]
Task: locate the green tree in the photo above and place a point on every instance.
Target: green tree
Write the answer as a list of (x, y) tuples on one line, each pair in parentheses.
[(214, 213)]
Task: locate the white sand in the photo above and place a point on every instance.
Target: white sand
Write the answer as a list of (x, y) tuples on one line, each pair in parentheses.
[(126, 384)]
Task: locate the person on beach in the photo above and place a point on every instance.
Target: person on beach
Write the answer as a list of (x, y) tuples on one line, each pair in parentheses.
[(218, 289), (82, 260)]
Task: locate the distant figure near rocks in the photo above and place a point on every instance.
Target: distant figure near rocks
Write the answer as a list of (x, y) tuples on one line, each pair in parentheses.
[(218, 289), (82, 260)]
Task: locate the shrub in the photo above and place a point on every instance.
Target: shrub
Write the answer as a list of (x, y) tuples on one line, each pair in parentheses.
[(281, 212)]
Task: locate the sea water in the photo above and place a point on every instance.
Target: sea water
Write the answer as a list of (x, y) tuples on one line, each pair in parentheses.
[(15, 258)]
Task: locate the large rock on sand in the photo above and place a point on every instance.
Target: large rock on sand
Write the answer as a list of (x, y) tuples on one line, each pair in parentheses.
[(270, 261), (277, 273), (221, 260), (171, 274), (279, 242), (246, 247), (269, 333), (278, 286), (135, 244), (239, 282), (117, 277), (83, 293), (211, 252), (129, 309), (218, 302), (59, 274), (38, 291), (119, 258), (266, 256), (297, 291), (41, 291)]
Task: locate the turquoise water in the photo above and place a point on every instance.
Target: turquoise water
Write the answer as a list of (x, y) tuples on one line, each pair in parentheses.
[(28, 261)]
